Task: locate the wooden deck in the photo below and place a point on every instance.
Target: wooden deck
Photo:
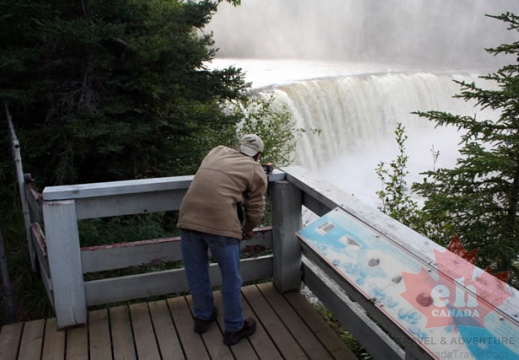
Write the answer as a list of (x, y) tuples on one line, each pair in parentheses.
[(288, 328)]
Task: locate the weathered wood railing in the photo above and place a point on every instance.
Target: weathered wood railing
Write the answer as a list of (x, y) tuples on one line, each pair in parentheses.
[(63, 262)]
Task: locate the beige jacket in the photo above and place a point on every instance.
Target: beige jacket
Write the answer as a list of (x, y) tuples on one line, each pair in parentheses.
[(225, 179)]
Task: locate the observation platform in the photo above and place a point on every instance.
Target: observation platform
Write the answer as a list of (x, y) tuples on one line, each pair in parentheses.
[(400, 295), (288, 328)]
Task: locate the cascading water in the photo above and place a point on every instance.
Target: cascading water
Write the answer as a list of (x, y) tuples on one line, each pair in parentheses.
[(357, 116), (356, 112)]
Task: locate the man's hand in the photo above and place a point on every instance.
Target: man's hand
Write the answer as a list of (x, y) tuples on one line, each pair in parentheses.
[(247, 235)]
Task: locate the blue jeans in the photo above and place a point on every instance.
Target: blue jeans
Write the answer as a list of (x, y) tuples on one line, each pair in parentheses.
[(226, 252)]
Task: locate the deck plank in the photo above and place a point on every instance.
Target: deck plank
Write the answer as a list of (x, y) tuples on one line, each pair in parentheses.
[(10, 340), (54, 341), (244, 349), (282, 338), (167, 338), (32, 340), (213, 338), (295, 325), (320, 328), (99, 334), (261, 340), (288, 328), (193, 345), (77, 343), (143, 335), (122, 337)]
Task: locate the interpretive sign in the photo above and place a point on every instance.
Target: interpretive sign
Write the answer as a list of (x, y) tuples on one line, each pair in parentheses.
[(449, 307)]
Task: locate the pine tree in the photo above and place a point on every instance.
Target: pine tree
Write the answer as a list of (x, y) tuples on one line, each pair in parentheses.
[(479, 198), (110, 90)]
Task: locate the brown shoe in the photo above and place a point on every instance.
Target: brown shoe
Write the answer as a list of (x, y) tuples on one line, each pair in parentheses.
[(201, 325), (234, 337)]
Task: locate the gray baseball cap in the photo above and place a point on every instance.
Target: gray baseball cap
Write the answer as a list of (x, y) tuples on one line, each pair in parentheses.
[(250, 145)]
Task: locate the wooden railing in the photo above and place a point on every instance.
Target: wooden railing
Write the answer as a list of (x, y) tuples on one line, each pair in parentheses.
[(63, 263)]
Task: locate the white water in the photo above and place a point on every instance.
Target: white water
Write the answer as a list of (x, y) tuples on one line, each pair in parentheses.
[(358, 116)]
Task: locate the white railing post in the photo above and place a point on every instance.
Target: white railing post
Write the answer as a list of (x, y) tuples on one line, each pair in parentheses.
[(286, 221), (63, 248)]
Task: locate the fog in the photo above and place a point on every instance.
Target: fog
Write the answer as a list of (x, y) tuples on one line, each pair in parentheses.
[(440, 33)]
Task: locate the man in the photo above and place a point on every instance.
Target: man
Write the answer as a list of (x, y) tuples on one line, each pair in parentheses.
[(227, 180)]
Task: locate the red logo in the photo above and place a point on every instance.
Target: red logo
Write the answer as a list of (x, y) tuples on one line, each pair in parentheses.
[(456, 295)]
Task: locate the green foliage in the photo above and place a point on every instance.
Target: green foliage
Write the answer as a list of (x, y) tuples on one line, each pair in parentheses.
[(397, 197), (113, 90), (30, 299), (479, 198), (395, 194), (276, 127), (123, 229)]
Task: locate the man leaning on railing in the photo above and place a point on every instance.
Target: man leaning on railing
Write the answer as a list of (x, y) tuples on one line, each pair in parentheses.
[(227, 180)]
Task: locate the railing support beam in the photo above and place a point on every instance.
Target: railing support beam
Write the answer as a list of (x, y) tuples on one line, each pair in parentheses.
[(286, 221), (65, 262)]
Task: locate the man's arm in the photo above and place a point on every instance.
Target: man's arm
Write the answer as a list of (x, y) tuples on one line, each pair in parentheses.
[(254, 202)]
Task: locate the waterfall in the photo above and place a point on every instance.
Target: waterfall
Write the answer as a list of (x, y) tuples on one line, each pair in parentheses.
[(358, 113), (357, 116)]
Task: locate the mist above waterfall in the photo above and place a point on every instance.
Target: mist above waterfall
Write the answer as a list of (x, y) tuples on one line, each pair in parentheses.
[(441, 33)]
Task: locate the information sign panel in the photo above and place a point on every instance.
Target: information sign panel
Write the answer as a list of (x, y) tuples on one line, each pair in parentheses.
[(450, 307)]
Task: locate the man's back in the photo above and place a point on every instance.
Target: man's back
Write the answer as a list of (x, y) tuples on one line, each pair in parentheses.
[(225, 179)]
